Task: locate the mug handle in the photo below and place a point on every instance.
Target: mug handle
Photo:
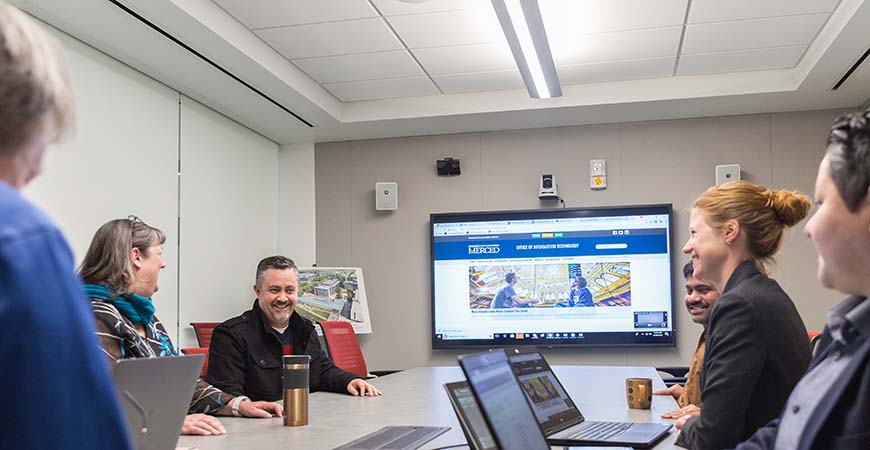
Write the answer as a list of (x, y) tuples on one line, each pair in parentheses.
[(642, 394)]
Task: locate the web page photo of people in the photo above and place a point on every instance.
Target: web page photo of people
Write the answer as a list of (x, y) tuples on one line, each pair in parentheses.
[(580, 285)]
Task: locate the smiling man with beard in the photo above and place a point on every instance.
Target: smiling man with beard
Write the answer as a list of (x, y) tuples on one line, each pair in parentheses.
[(246, 351), (699, 300)]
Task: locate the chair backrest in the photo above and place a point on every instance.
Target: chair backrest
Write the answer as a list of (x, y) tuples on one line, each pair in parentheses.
[(199, 351), (814, 339), (343, 347), (203, 332)]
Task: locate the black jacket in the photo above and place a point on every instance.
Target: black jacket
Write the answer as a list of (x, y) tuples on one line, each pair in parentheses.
[(757, 350), (245, 357)]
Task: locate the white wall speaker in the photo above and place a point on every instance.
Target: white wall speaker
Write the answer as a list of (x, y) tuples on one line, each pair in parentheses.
[(386, 196), (727, 172)]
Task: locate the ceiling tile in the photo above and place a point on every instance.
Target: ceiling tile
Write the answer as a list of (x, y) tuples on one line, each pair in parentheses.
[(397, 7), (740, 61), (616, 71), (362, 66), (274, 13), (333, 38), (752, 34), (480, 82), (441, 29), (373, 89), (720, 11), (573, 17), (617, 46), (466, 58)]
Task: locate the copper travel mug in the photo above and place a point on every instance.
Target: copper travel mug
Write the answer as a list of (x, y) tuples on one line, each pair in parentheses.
[(296, 390), (638, 393)]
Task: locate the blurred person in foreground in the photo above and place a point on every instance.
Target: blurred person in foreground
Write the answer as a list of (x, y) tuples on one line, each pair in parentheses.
[(830, 406), (57, 389)]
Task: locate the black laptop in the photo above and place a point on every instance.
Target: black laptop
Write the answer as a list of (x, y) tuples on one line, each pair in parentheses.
[(501, 399), (561, 420), (470, 418)]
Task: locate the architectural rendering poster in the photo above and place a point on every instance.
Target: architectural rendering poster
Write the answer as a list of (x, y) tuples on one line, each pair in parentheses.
[(334, 293)]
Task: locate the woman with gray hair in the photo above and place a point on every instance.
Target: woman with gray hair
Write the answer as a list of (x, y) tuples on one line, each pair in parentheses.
[(57, 391), (121, 270)]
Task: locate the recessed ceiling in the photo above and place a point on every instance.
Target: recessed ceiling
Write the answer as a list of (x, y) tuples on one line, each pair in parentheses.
[(358, 69), (367, 50)]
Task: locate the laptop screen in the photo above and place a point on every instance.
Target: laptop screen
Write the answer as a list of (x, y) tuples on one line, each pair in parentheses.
[(469, 414), (510, 419), (552, 406)]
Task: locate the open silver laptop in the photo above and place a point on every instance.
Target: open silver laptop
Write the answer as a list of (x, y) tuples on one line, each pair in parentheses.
[(155, 395), (559, 417)]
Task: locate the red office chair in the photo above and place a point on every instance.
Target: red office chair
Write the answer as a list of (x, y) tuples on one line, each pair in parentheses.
[(203, 332), (343, 347), (199, 351)]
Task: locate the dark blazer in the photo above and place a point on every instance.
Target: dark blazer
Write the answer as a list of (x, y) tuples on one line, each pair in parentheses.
[(757, 350), (245, 357), (842, 420)]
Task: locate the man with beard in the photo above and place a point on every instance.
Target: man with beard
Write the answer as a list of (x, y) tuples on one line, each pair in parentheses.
[(246, 351), (700, 298)]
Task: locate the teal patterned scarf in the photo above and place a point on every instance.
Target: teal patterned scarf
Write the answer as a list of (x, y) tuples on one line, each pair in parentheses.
[(140, 310)]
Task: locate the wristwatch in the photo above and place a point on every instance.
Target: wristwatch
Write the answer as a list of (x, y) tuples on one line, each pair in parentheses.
[(235, 404)]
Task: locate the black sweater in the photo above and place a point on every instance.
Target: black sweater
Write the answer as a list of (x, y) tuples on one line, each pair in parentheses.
[(245, 357), (757, 350)]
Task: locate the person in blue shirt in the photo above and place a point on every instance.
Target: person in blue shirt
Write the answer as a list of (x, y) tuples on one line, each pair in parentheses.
[(57, 390), (580, 295), (507, 296)]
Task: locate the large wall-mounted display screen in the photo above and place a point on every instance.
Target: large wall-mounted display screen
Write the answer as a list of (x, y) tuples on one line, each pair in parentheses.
[(560, 277)]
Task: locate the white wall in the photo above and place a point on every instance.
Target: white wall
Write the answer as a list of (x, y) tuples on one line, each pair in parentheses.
[(296, 205), (120, 159), (229, 221), (669, 161), (123, 158)]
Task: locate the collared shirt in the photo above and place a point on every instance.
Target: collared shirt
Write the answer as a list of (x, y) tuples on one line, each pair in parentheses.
[(848, 323), (692, 393)]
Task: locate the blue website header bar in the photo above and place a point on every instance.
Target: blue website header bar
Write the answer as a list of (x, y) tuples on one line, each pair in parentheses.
[(553, 247)]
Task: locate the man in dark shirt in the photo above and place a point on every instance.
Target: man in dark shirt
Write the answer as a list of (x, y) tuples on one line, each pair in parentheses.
[(830, 406), (246, 351)]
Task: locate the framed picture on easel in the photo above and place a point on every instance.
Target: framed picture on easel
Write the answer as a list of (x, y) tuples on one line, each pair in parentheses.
[(334, 293)]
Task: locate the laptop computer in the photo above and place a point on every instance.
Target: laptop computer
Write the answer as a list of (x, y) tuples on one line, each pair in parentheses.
[(558, 415), (507, 413), (155, 395), (470, 418), (395, 438)]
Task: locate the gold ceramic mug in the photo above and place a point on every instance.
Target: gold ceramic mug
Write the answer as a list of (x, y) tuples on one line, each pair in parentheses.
[(296, 390), (638, 393)]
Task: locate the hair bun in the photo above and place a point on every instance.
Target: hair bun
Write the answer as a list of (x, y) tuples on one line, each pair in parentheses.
[(790, 206)]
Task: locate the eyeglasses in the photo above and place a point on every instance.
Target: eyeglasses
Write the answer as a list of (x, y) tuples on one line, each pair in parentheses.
[(133, 222)]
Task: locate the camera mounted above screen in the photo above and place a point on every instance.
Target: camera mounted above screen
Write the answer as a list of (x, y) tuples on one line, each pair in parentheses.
[(548, 189)]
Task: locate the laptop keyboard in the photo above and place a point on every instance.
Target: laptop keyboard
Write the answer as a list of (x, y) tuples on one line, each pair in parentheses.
[(600, 431), (395, 438)]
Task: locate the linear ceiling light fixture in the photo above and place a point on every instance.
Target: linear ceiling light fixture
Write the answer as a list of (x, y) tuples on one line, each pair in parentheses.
[(524, 30)]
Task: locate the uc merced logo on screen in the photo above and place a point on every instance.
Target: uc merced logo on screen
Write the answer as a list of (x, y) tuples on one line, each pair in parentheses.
[(483, 249)]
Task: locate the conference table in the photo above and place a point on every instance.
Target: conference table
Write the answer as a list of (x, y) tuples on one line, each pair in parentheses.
[(417, 397)]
